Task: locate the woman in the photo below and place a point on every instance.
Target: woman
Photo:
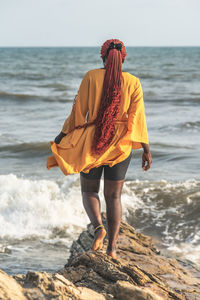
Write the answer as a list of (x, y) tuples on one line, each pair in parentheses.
[(107, 121)]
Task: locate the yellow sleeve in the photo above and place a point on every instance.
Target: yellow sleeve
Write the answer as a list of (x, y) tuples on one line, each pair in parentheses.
[(79, 108), (137, 127)]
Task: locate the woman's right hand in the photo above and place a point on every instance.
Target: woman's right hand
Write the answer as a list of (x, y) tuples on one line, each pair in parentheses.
[(59, 137)]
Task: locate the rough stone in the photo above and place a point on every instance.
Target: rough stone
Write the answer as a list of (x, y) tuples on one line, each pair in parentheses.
[(141, 272)]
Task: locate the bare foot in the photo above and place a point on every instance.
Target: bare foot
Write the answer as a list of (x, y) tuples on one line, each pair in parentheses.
[(112, 253), (99, 235)]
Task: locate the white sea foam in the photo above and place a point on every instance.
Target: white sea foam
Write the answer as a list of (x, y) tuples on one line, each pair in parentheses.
[(54, 213), (170, 206), (36, 207), (187, 251)]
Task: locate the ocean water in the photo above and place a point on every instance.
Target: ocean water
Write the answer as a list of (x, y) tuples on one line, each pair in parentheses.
[(41, 210)]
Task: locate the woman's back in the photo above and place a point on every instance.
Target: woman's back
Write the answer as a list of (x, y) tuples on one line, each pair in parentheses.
[(95, 79), (90, 93)]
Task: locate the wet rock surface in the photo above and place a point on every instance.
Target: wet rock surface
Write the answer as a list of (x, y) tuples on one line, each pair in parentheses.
[(141, 272)]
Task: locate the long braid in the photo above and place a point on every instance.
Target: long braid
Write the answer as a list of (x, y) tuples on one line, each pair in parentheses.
[(111, 97)]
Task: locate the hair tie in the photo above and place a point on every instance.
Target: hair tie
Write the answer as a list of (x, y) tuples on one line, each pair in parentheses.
[(114, 46)]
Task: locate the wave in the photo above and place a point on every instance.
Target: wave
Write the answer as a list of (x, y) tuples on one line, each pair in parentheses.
[(169, 65), (141, 75), (24, 97), (56, 86), (190, 125), (170, 146), (150, 94), (27, 149), (165, 75), (168, 211), (186, 126), (18, 96), (175, 101), (53, 211), (32, 209), (24, 76)]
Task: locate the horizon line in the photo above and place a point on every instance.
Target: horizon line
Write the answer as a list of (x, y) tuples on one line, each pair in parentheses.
[(72, 46)]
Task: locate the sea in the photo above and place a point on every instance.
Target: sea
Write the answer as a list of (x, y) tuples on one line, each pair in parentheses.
[(41, 210)]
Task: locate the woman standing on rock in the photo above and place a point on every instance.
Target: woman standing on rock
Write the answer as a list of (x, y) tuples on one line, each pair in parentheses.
[(107, 121)]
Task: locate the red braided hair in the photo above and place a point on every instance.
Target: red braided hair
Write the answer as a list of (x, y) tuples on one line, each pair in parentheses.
[(111, 96)]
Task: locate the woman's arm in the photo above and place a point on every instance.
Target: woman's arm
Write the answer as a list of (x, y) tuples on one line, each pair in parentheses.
[(137, 128), (145, 147), (137, 125)]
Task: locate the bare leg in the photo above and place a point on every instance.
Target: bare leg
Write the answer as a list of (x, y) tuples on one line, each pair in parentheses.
[(112, 194), (91, 203)]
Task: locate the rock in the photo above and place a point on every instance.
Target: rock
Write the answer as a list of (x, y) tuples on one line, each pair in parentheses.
[(9, 288), (141, 272), (139, 263), (123, 290), (42, 285)]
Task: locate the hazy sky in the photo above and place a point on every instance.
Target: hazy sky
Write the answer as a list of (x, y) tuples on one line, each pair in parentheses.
[(91, 22)]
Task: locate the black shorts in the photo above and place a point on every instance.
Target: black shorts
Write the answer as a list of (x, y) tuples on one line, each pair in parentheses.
[(117, 172)]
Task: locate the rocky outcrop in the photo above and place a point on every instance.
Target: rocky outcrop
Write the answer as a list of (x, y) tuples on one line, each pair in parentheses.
[(141, 272), (9, 288)]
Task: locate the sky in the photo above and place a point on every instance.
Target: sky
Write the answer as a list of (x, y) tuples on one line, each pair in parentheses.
[(91, 22)]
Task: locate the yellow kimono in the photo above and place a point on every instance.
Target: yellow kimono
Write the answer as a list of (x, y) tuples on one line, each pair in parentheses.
[(73, 153)]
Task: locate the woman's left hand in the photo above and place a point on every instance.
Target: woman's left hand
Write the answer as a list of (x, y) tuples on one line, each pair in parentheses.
[(59, 137), (146, 158)]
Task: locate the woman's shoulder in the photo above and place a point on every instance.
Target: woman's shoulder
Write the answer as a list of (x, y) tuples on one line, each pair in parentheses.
[(132, 79), (94, 72), (97, 70), (101, 70), (130, 75)]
